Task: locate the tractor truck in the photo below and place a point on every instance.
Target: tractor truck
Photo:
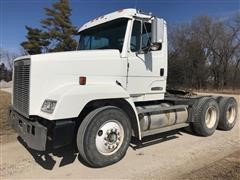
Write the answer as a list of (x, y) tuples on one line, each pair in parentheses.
[(112, 88)]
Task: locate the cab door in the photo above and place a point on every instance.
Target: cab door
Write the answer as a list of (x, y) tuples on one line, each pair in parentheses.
[(147, 69)]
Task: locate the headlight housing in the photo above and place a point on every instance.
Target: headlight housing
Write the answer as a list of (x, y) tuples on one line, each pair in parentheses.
[(49, 106)]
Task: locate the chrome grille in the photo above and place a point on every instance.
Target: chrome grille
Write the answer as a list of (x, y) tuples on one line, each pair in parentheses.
[(21, 86)]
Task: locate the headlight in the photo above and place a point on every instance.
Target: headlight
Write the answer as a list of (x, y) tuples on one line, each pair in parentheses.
[(49, 106)]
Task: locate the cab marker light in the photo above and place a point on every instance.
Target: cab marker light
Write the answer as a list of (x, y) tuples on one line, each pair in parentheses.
[(82, 80)]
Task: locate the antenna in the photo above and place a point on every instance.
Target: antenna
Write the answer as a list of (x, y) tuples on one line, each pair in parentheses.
[(136, 2)]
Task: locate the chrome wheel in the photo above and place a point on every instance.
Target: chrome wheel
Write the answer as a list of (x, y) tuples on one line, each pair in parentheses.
[(109, 137), (211, 117), (231, 114)]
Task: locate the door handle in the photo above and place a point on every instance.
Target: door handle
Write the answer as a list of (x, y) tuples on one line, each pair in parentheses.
[(162, 72)]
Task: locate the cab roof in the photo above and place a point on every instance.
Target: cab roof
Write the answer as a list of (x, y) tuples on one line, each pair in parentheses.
[(123, 13)]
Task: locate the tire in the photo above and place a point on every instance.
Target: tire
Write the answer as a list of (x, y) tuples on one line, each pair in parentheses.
[(228, 113), (104, 136), (217, 98), (205, 116)]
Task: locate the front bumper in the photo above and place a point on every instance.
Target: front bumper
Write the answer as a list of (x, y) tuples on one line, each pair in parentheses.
[(32, 132), (41, 134)]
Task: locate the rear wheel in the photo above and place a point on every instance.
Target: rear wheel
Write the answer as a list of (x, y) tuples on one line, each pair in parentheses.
[(103, 136), (228, 113), (205, 116)]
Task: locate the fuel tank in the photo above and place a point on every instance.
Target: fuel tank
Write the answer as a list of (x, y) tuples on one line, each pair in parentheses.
[(150, 121)]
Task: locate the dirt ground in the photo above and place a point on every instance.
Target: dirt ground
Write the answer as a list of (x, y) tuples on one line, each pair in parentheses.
[(225, 168), (173, 155)]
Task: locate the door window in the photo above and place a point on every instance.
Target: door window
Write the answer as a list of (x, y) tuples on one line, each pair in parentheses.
[(136, 36), (146, 36), (141, 36)]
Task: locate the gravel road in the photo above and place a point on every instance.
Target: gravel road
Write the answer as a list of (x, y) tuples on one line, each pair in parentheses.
[(176, 155)]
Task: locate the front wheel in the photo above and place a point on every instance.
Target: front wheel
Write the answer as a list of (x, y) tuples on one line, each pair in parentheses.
[(103, 136)]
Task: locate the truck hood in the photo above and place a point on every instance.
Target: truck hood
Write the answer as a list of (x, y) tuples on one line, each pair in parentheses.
[(49, 72), (87, 62)]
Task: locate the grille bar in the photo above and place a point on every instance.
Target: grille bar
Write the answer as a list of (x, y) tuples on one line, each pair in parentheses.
[(21, 86)]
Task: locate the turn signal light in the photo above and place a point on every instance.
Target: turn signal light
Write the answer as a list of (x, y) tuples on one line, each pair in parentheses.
[(82, 80)]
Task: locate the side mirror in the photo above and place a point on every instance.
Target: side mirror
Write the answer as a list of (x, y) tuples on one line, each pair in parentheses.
[(157, 31)]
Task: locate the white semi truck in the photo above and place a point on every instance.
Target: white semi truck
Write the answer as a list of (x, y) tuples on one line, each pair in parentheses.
[(112, 88)]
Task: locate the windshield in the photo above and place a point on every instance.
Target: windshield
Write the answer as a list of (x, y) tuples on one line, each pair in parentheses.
[(109, 35)]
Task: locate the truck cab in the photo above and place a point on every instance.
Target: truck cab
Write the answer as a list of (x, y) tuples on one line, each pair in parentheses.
[(130, 32), (113, 87)]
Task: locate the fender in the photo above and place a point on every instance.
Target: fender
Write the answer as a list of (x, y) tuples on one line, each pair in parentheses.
[(72, 98)]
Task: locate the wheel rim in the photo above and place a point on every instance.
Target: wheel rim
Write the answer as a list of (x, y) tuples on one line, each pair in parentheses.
[(109, 137), (231, 114), (211, 117)]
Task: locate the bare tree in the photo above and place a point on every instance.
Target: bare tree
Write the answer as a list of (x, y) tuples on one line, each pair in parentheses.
[(234, 29), (6, 61), (205, 53), (7, 58)]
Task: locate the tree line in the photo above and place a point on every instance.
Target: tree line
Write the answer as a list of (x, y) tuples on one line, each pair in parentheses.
[(204, 53)]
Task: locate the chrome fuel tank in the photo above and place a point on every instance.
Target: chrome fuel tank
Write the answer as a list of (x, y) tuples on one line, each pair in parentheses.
[(161, 119)]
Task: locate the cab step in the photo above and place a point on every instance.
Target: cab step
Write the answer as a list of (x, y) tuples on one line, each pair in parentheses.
[(164, 129)]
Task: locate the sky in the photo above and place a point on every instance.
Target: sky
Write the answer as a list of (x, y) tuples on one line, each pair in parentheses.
[(16, 14)]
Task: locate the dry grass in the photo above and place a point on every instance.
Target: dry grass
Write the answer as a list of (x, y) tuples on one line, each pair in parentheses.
[(223, 91), (6, 132)]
